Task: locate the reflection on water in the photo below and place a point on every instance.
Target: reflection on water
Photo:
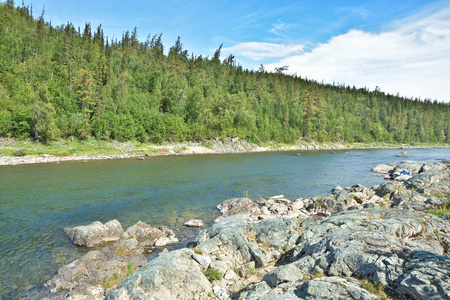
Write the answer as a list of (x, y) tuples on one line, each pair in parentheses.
[(38, 201)]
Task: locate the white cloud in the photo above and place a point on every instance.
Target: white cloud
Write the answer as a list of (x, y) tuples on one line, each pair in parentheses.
[(256, 51), (280, 28), (411, 57)]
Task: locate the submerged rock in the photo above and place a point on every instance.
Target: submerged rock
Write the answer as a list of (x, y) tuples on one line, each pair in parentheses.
[(402, 154), (194, 223), (94, 233)]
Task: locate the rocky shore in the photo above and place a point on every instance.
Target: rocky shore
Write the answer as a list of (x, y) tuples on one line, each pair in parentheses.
[(354, 243), (217, 146)]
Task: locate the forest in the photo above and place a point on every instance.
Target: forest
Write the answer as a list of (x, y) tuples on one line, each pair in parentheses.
[(61, 82)]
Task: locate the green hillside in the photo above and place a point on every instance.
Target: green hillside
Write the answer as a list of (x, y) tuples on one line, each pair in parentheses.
[(62, 82)]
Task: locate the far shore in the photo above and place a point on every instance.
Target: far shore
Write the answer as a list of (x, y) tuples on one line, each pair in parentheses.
[(218, 146)]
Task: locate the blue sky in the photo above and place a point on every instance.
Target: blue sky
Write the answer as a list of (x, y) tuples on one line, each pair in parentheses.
[(400, 46)]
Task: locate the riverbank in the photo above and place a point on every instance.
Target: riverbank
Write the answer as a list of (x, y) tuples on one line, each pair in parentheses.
[(357, 242), (14, 152)]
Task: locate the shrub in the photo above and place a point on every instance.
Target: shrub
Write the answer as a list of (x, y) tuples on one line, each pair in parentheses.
[(212, 274), (19, 152)]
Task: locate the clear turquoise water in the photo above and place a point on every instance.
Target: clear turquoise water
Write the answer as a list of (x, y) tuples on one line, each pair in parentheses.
[(38, 201)]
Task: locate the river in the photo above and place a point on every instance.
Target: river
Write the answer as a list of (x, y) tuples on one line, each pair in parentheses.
[(38, 201)]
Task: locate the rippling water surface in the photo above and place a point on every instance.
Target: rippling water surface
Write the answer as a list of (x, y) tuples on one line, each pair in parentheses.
[(38, 201)]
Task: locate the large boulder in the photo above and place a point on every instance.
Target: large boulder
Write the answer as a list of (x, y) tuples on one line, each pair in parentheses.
[(96, 273), (94, 233), (173, 275), (420, 180), (386, 188)]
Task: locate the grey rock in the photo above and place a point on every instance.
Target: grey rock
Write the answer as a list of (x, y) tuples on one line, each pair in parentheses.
[(333, 288), (386, 188), (420, 180), (237, 206), (402, 154), (343, 196), (370, 205), (383, 168), (173, 275), (369, 243), (409, 166), (258, 291), (296, 205), (357, 188), (320, 288), (354, 208), (400, 201), (220, 292), (336, 189), (94, 233), (204, 261), (278, 233), (286, 273), (426, 277), (222, 265), (194, 223), (434, 201), (150, 237)]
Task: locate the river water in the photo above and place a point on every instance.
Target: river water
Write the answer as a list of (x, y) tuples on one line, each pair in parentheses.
[(38, 201)]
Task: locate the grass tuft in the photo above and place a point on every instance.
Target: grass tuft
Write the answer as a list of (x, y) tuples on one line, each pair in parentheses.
[(213, 274)]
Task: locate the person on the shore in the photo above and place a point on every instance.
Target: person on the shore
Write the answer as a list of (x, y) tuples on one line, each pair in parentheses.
[(422, 169)]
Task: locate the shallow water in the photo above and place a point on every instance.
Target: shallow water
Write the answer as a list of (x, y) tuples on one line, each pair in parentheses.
[(38, 201)]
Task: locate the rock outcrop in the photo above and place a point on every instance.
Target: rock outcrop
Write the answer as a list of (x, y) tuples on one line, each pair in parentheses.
[(94, 233), (402, 252), (173, 275), (99, 271)]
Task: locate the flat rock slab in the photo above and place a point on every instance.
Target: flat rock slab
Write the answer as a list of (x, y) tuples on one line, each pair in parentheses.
[(94, 233)]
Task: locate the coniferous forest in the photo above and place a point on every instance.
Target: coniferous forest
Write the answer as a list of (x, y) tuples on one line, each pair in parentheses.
[(66, 82)]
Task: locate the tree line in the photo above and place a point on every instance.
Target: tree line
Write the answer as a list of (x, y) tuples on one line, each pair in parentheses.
[(64, 82)]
